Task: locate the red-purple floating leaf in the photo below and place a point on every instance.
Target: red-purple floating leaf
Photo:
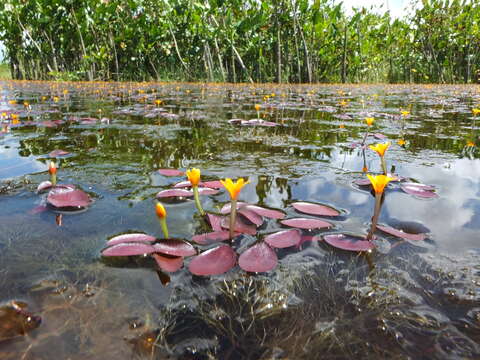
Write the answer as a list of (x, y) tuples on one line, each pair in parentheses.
[(251, 216), (269, 213), (174, 193), (215, 184), (44, 185), (212, 237), (418, 185), (240, 226), (215, 221), (171, 172), (168, 263), (349, 242), (306, 223), (258, 258), (284, 239), (128, 249), (401, 234), (183, 184), (58, 152), (227, 207), (418, 191), (65, 196), (362, 182), (126, 238), (315, 209), (379, 136), (207, 191), (214, 261), (175, 247)]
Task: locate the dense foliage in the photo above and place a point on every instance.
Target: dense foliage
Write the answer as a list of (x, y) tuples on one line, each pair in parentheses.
[(248, 40)]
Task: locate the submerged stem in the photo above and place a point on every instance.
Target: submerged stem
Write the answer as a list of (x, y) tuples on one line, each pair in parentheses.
[(198, 204), (163, 224), (376, 215), (233, 214)]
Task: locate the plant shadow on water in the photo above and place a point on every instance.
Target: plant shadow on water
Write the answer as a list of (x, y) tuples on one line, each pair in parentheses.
[(416, 296)]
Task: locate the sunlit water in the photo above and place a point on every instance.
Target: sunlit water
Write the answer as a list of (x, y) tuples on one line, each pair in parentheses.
[(420, 300)]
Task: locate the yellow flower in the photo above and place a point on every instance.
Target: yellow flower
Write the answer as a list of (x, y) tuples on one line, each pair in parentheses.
[(56, 98), (158, 102), (405, 112), (401, 142), (12, 102), (369, 121), (257, 107), (234, 188), (193, 176), (470, 143), (380, 148), (160, 210), (341, 126), (476, 111), (379, 182), (364, 169), (52, 169)]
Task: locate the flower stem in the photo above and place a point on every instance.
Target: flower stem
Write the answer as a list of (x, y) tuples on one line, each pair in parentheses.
[(163, 224), (376, 215), (198, 204), (384, 165), (53, 179), (233, 214)]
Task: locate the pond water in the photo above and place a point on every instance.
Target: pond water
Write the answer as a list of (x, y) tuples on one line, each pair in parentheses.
[(404, 299)]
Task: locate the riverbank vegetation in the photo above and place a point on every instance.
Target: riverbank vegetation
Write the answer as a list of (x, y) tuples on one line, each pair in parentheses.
[(296, 41)]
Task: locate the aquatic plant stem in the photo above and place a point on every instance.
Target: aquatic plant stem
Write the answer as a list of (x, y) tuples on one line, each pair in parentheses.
[(233, 214), (384, 165), (53, 179), (198, 204), (163, 224), (376, 215)]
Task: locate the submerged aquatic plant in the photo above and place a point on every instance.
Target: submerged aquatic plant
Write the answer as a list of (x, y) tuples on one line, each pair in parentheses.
[(379, 182), (233, 189), (380, 149), (193, 176)]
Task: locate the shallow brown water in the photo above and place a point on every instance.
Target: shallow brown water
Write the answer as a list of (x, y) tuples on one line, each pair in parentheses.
[(421, 299)]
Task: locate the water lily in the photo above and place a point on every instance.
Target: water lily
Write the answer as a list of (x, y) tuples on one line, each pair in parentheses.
[(405, 113), (162, 216), (380, 149), (379, 182), (234, 189), (401, 142), (369, 121), (476, 111), (470, 143), (257, 108), (193, 176), (52, 169)]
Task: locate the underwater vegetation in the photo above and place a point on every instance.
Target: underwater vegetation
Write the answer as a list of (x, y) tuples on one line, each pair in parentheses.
[(200, 221)]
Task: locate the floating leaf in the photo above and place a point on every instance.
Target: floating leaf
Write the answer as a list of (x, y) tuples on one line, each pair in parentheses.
[(212, 237), (174, 193), (258, 258), (379, 136), (207, 191), (306, 223), (58, 152), (401, 234), (175, 247), (215, 184), (44, 185), (419, 190), (215, 221), (183, 184), (284, 239), (269, 213), (126, 238), (128, 249), (214, 261), (240, 226), (251, 216), (362, 182), (168, 263), (315, 209), (349, 242), (65, 196), (418, 185), (171, 172)]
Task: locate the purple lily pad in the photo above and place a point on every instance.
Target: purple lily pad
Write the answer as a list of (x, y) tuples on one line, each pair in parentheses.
[(269, 213), (183, 184), (258, 258), (214, 261), (418, 190), (215, 184), (379, 136), (212, 237), (251, 216), (306, 223), (58, 152), (315, 209), (240, 226), (215, 221), (349, 242), (207, 191), (171, 172), (401, 234), (128, 249), (168, 263), (175, 247), (127, 238), (284, 239), (420, 186), (362, 182), (44, 185), (174, 193), (66, 196)]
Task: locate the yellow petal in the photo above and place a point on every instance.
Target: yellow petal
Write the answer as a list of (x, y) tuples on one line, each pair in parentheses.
[(193, 176), (160, 210), (379, 182)]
